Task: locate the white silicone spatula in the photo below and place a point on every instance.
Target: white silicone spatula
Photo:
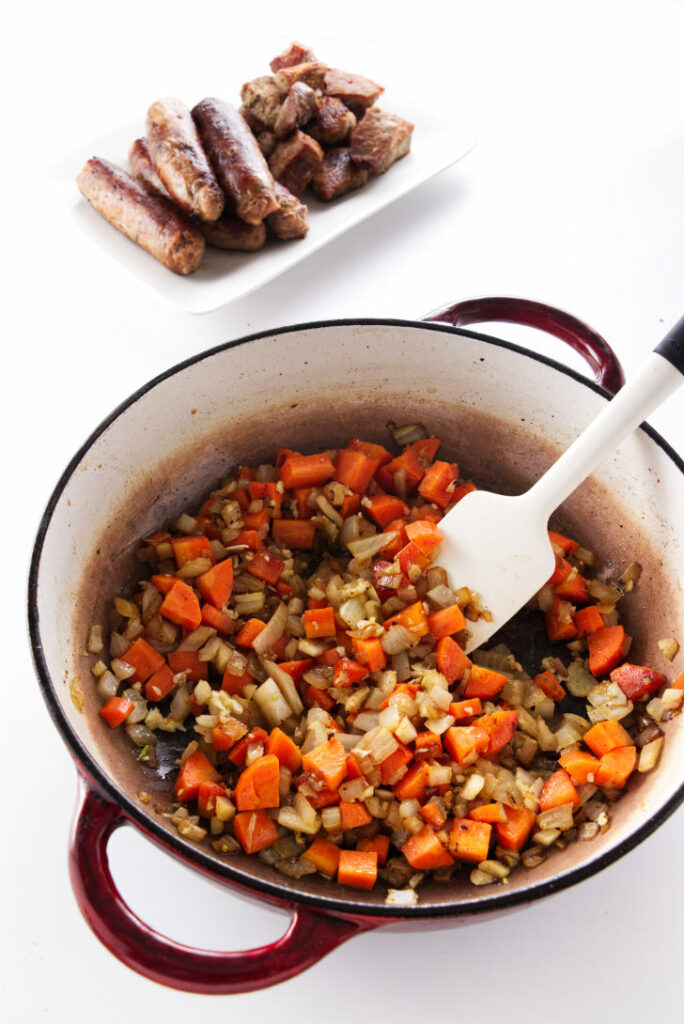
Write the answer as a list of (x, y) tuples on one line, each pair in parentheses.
[(498, 546)]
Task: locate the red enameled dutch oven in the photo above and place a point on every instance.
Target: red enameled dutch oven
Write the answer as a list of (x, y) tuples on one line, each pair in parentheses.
[(503, 413)]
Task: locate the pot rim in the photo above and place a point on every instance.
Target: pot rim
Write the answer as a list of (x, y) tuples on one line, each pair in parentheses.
[(90, 768)]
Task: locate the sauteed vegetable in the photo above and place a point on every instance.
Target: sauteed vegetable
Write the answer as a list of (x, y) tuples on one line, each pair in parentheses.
[(298, 630)]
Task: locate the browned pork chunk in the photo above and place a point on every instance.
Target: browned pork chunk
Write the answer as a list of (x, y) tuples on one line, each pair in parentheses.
[(231, 233), (267, 142), (295, 161), (148, 219), (290, 221), (312, 72), (142, 168), (296, 53), (299, 106), (262, 100), (235, 156), (379, 139), (356, 91), (333, 122), (338, 174)]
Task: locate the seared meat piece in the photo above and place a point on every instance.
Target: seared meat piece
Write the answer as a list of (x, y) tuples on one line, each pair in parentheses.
[(295, 54), (142, 168), (267, 142), (379, 139), (231, 233), (290, 220), (299, 106), (356, 91), (255, 123), (338, 174), (295, 161), (148, 219), (312, 72), (180, 161), (333, 122), (239, 163), (263, 98)]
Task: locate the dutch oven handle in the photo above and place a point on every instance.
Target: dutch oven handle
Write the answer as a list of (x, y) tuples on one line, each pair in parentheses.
[(310, 936), (590, 345)]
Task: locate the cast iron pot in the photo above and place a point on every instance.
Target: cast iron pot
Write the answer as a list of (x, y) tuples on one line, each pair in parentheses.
[(503, 413)]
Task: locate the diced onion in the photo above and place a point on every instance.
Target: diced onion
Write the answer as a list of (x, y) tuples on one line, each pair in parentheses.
[(275, 627)]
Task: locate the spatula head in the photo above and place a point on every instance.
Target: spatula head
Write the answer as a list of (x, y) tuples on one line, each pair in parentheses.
[(497, 546)]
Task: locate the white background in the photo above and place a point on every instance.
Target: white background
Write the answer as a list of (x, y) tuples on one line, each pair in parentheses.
[(573, 196)]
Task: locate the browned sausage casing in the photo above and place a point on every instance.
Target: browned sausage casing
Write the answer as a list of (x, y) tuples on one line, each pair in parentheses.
[(235, 155), (149, 220), (142, 168), (180, 161)]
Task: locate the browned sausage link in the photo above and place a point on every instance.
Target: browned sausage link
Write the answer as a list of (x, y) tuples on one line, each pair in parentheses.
[(149, 220), (180, 161), (230, 233), (142, 168), (235, 155)]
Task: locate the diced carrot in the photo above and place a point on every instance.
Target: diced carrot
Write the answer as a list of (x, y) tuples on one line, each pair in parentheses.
[(255, 736), (358, 868), (354, 469), (446, 621), (459, 492), (636, 681), (391, 767), (427, 745), (514, 832), (378, 844), (566, 546), (265, 566), (328, 762), (469, 840), (492, 813), (324, 855), (216, 584), (160, 683), (186, 549), (424, 534), (409, 688), (283, 453), (548, 683), (484, 683), (313, 696), (606, 736), (257, 521), (305, 508), (350, 505), (206, 797), (464, 709), (370, 653), (254, 830), (561, 572), (116, 710), (217, 620), (678, 683), (227, 733), (181, 606), (580, 765), (411, 560), (465, 743), (413, 461), (413, 784), (383, 508), (247, 473), (235, 684), (499, 726), (306, 470), (319, 622), (607, 648), (588, 620), (438, 483), (412, 617), (297, 534), (285, 749), (258, 786), (373, 451), (323, 798), (557, 790), (432, 814), (195, 769), (353, 768), (241, 497), (559, 622), (144, 659), (188, 661), (574, 588), (164, 581), (268, 492), (249, 539), (616, 766), (354, 814), (398, 528), (452, 660), (249, 632), (296, 669), (348, 672), (424, 851)]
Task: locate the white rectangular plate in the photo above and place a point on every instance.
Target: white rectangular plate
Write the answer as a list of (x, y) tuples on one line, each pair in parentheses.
[(226, 276)]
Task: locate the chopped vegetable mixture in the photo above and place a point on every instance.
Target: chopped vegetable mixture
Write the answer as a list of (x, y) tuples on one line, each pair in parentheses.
[(299, 629)]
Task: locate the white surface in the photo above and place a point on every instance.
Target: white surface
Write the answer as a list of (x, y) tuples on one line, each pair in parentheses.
[(572, 196)]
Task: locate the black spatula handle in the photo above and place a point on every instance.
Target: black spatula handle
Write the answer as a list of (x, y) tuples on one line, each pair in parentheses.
[(672, 345)]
